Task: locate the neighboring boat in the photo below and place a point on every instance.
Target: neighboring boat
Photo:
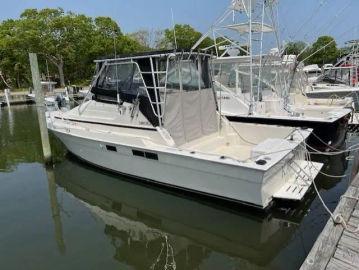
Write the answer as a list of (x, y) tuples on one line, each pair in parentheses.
[(340, 80), (328, 118), (313, 72), (153, 116), (51, 98), (258, 88)]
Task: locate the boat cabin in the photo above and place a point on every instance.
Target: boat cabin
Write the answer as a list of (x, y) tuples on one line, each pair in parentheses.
[(171, 89)]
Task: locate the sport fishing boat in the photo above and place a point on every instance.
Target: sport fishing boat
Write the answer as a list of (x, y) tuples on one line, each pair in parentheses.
[(154, 116), (253, 87)]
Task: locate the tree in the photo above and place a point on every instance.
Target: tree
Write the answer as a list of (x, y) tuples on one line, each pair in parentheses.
[(324, 51), (56, 35), (298, 48), (295, 47), (68, 41), (149, 39), (14, 65), (186, 37)]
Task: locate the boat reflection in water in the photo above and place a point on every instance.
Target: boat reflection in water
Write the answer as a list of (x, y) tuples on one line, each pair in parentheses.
[(150, 228)]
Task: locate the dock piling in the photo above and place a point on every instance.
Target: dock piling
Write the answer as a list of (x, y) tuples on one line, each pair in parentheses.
[(40, 105), (7, 97)]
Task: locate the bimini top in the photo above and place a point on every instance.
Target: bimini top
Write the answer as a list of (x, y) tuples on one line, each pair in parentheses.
[(147, 54)]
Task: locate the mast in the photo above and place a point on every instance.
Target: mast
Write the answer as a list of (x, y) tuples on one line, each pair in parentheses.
[(261, 53), (250, 57)]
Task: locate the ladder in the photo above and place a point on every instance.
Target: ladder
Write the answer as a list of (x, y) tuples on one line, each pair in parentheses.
[(152, 73)]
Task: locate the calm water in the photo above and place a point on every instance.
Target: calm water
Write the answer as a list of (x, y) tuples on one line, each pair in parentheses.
[(74, 216)]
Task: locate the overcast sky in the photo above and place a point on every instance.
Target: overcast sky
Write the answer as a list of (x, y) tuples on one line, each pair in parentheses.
[(299, 19)]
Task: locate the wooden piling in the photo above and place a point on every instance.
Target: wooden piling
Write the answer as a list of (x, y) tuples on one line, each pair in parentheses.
[(7, 97), (40, 105)]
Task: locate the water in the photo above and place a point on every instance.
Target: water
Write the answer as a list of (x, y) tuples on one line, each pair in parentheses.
[(74, 216)]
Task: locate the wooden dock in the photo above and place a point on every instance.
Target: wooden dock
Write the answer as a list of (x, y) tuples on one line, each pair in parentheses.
[(19, 98), (338, 247), (16, 98)]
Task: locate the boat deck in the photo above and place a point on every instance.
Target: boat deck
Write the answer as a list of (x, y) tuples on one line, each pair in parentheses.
[(338, 247)]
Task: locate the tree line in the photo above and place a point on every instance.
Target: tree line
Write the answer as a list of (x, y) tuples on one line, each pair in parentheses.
[(67, 44), (323, 51)]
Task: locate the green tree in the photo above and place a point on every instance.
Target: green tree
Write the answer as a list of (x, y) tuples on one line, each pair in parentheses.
[(186, 37), (323, 51), (295, 47), (149, 39), (68, 41), (298, 48), (13, 62)]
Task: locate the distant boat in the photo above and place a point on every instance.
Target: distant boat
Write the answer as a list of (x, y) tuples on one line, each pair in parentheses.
[(153, 116), (313, 72), (51, 98), (340, 80)]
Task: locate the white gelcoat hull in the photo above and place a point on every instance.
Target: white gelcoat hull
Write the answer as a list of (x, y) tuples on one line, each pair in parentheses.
[(245, 185)]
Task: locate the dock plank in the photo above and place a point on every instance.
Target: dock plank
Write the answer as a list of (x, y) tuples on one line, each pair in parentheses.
[(356, 212), (353, 223), (327, 253), (349, 241), (350, 234), (347, 256), (335, 264)]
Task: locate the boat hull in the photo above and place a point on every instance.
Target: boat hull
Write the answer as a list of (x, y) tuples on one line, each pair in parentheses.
[(324, 133), (234, 183)]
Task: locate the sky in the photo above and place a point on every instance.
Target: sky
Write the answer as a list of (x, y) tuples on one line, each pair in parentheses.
[(298, 19)]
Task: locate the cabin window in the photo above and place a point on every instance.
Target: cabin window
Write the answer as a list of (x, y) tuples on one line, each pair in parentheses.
[(111, 148), (143, 154), (138, 153), (124, 78), (151, 156)]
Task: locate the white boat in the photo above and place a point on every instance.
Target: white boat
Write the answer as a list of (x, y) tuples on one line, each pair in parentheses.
[(154, 117), (258, 88), (313, 72), (51, 98)]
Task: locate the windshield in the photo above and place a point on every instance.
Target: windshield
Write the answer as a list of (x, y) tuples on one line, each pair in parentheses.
[(122, 77), (185, 73)]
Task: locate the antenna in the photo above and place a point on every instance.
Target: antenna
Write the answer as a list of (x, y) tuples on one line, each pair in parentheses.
[(114, 41), (174, 29), (116, 77)]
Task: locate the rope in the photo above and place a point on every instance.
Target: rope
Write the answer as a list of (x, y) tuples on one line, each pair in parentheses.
[(338, 218)]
